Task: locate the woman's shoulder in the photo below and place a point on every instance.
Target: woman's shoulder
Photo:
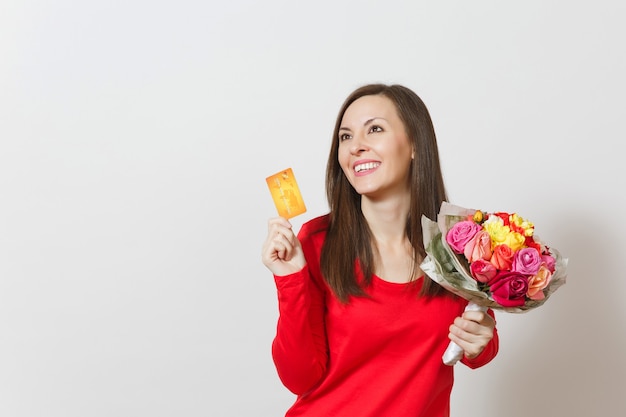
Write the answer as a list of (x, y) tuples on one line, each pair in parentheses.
[(313, 234), (316, 225)]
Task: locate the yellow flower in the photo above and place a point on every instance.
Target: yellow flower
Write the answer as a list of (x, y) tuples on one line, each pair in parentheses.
[(497, 230), (520, 224), (515, 241), (503, 235)]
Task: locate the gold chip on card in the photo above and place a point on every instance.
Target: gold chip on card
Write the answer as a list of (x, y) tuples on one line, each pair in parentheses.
[(286, 194)]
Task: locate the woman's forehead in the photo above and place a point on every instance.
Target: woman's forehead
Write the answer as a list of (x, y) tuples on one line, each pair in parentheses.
[(368, 108)]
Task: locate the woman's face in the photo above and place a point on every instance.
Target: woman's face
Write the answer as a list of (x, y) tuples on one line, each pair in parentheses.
[(374, 151)]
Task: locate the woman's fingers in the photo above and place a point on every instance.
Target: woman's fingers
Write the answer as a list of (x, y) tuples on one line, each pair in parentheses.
[(282, 245), (472, 332), (281, 251), (480, 317), (280, 239)]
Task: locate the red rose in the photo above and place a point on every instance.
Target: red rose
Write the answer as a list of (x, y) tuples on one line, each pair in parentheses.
[(509, 289), (482, 270)]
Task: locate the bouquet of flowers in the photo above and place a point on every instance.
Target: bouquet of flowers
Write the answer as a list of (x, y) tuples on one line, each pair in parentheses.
[(493, 260)]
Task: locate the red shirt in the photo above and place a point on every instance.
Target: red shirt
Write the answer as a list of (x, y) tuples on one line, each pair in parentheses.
[(376, 356)]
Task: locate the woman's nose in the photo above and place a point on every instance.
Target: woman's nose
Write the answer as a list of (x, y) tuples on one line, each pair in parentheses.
[(358, 144)]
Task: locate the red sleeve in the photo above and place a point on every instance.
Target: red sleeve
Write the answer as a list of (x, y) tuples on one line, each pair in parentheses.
[(299, 348), (488, 353)]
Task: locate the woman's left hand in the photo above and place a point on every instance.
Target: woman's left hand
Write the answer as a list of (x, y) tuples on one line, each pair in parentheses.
[(472, 332)]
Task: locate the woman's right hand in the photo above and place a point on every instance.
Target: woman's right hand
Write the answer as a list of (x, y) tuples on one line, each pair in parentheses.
[(282, 253)]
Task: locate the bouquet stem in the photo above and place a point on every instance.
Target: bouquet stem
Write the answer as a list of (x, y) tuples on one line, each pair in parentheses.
[(454, 352)]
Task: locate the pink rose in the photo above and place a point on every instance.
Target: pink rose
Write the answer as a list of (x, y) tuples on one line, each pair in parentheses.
[(479, 247), (550, 262), (482, 270), (509, 289), (526, 261), (502, 257), (461, 233), (537, 283)]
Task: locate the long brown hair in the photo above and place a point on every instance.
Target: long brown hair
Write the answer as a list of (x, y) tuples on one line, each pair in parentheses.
[(349, 237)]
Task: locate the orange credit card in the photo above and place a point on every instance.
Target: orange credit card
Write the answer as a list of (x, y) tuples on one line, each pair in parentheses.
[(286, 194)]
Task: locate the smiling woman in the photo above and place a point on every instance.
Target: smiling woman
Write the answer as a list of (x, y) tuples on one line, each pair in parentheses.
[(374, 150), (360, 331)]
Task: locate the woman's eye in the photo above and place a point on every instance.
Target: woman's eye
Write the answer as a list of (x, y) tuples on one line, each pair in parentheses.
[(343, 137), (376, 128)]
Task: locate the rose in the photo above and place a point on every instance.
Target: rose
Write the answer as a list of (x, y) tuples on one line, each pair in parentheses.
[(482, 270), (509, 289), (502, 257), (538, 282), (526, 261), (549, 261), (479, 247), (461, 233)]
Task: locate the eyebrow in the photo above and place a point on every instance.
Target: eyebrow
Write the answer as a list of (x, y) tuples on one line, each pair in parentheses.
[(367, 122)]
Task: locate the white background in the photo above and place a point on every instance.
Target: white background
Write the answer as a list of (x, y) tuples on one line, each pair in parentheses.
[(135, 138)]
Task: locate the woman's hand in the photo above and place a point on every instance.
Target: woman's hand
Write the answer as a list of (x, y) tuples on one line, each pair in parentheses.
[(282, 253), (472, 332)]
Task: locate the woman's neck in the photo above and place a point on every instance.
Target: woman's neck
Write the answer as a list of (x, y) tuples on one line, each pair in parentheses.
[(387, 219)]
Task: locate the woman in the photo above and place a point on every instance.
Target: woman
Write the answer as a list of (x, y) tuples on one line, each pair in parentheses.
[(361, 331)]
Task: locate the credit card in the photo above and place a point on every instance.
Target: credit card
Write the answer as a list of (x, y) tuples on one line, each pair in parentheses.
[(286, 193)]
